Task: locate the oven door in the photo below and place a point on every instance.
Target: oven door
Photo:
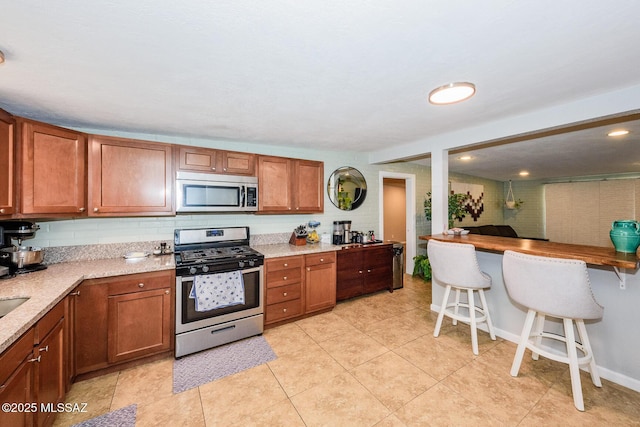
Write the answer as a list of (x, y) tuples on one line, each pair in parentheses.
[(188, 319)]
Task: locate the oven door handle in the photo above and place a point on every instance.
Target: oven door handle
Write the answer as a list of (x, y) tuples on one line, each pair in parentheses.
[(182, 279)]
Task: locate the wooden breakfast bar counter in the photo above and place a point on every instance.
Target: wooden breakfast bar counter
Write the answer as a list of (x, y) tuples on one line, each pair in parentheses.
[(594, 255), (615, 282)]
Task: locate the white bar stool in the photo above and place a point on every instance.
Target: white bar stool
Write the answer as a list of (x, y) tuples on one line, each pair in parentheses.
[(455, 265), (558, 288)]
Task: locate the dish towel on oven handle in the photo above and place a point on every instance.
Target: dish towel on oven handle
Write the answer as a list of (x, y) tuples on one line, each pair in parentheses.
[(219, 290)]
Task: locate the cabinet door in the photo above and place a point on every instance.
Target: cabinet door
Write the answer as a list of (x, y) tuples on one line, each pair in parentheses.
[(238, 163), (378, 272), (308, 186), (195, 159), (129, 177), (274, 184), (7, 135), (16, 380), (50, 373), (320, 287), (53, 169), (349, 273), (90, 327), (139, 324)]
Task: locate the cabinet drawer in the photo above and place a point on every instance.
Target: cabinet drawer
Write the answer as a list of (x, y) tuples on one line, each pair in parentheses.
[(284, 263), (283, 310), (284, 277), (284, 293), (13, 357), (140, 282), (321, 258)]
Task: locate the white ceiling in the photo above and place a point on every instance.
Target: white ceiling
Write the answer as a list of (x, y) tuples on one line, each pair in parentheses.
[(325, 74)]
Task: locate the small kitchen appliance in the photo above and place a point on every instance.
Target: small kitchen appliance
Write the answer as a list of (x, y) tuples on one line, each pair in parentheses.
[(207, 257), (20, 259), (341, 232)]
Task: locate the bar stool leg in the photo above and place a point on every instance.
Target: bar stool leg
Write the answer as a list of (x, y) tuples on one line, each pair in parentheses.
[(472, 321), (522, 345), (584, 339), (537, 331), (574, 369), (443, 307), (455, 308), (485, 309)]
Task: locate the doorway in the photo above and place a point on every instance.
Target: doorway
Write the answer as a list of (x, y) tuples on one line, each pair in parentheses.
[(397, 212)]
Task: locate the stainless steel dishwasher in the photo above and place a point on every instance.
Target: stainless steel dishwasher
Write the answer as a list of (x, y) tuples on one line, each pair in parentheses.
[(398, 265)]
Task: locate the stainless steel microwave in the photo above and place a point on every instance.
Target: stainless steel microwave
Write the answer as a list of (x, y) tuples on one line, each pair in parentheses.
[(203, 192)]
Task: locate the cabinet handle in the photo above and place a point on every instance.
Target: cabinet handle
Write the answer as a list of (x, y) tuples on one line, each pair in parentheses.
[(284, 310), (286, 265), (321, 259), (368, 271), (166, 292), (81, 209), (297, 208), (75, 294), (1, 210), (141, 285), (308, 268), (213, 168), (284, 294), (224, 169), (284, 278), (37, 359), (95, 209), (45, 349)]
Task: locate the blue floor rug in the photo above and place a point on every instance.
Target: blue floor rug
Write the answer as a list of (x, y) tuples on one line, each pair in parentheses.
[(123, 417), (209, 365)]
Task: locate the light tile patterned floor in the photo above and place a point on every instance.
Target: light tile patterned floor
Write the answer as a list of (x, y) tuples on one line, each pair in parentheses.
[(372, 361)]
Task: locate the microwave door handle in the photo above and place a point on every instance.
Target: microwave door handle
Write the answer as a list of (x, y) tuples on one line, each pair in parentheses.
[(243, 196)]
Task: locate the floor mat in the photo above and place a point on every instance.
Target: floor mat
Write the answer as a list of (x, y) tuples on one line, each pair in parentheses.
[(123, 417), (200, 368)]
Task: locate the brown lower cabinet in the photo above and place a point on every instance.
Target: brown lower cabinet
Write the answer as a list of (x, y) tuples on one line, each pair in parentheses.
[(33, 373), (299, 285), (124, 318), (364, 269)]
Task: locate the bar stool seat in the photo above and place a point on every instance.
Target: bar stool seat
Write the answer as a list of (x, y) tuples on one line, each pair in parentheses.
[(559, 288), (455, 266)]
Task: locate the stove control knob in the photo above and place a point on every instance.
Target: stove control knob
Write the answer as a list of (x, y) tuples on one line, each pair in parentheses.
[(205, 268), (193, 270), (252, 262), (240, 264)]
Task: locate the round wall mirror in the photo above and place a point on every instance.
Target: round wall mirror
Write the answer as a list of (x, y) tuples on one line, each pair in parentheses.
[(347, 188)]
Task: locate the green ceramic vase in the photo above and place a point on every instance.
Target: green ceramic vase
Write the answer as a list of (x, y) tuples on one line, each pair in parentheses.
[(625, 235)]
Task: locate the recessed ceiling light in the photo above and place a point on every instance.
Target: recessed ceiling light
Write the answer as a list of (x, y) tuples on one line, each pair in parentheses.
[(618, 132), (452, 93), (524, 173), (465, 158)]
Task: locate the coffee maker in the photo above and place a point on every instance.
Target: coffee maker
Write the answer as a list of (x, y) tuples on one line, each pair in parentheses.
[(341, 232), (18, 258)]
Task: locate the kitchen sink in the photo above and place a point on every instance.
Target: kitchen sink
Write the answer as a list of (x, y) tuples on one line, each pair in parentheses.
[(7, 305)]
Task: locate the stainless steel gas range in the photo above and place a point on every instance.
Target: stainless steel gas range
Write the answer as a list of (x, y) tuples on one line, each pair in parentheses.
[(219, 297)]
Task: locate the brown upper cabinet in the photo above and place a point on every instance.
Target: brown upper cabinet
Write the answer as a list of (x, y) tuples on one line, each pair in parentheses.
[(7, 135), (206, 160), (52, 164), (129, 177), (290, 185)]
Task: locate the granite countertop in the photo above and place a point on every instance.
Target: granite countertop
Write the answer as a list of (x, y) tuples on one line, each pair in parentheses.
[(285, 249), (47, 287)]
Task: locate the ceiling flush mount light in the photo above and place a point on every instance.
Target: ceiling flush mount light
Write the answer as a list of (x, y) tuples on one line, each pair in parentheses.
[(452, 93), (465, 158), (524, 173), (618, 132)]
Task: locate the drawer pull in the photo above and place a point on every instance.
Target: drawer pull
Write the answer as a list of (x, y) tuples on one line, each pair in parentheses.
[(75, 294), (360, 271), (37, 359), (321, 259), (368, 271), (1, 211), (45, 349), (166, 292), (284, 310), (141, 285), (284, 294), (286, 265), (284, 278)]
